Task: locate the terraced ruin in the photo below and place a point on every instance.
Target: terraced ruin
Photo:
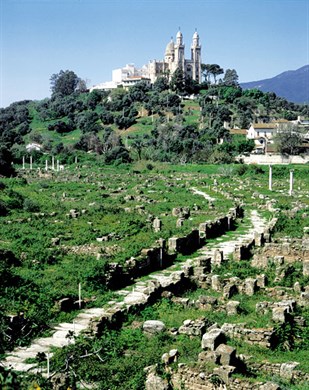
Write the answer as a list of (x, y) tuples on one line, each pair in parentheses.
[(188, 279)]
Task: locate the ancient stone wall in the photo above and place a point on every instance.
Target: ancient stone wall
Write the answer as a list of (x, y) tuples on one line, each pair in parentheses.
[(284, 251), (162, 255), (198, 379)]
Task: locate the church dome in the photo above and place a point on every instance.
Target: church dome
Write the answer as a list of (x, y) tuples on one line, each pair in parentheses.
[(195, 35), (169, 48), (179, 34)]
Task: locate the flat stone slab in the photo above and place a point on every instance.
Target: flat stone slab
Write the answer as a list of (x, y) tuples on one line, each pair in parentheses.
[(135, 297), (69, 326), (202, 193), (21, 366), (257, 225)]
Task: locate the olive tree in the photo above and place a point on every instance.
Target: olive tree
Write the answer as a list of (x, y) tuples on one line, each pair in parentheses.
[(288, 139)]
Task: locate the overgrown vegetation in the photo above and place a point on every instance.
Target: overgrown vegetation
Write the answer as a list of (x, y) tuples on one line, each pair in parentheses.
[(155, 123), (60, 228)]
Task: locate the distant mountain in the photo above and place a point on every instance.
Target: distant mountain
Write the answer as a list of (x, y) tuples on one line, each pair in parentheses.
[(292, 85)]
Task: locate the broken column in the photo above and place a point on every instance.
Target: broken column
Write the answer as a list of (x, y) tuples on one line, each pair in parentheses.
[(157, 225), (291, 182)]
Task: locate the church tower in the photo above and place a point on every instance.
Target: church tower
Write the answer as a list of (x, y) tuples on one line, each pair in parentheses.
[(170, 52), (179, 52), (196, 57), (174, 58)]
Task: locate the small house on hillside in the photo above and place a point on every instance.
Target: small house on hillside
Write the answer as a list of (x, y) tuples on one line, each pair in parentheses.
[(262, 134), (262, 130)]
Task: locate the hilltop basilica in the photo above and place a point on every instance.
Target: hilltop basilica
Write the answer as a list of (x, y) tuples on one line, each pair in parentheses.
[(174, 58)]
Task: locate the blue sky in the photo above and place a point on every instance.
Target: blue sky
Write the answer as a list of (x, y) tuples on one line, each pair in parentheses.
[(258, 38)]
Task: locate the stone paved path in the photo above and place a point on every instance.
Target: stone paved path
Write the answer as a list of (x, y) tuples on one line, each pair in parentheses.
[(202, 193), (17, 359), (227, 243)]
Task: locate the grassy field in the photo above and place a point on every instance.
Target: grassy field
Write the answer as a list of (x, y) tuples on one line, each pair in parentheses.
[(55, 251)]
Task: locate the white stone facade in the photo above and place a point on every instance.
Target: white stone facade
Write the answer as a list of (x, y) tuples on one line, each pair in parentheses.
[(175, 58)]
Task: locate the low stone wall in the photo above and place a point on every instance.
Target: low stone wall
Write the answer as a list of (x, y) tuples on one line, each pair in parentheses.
[(265, 337), (290, 251), (162, 255), (274, 159), (198, 379), (186, 244), (212, 229), (138, 300), (286, 371)]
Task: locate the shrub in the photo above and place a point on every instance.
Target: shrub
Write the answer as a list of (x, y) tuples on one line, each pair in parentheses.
[(3, 209), (242, 169), (30, 205)]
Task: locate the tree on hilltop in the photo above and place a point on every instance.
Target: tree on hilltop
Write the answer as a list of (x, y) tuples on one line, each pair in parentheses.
[(177, 83), (211, 69), (230, 78), (65, 83)]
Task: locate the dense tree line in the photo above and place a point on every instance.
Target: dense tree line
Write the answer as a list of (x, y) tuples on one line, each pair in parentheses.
[(98, 114)]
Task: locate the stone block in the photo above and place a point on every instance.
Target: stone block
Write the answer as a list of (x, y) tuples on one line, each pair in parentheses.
[(227, 355), (217, 258), (306, 268), (229, 290), (155, 382), (287, 369), (205, 300), (208, 356), (237, 254), (297, 287), (192, 328), (262, 307), (289, 304), (173, 355), (153, 327), (176, 211), (180, 222), (261, 281), (170, 357), (232, 308), (278, 260), (202, 229), (157, 224), (212, 339), (225, 373), (269, 386), (304, 298), (216, 283), (173, 244), (250, 286), (258, 239), (280, 314), (55, 241)]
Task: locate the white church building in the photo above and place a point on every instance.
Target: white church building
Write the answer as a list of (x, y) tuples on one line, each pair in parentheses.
[(174, 58)]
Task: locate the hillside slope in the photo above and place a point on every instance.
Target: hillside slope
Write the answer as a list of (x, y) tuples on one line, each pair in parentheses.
[(292, 85)]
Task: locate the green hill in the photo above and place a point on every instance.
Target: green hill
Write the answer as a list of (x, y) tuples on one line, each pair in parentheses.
[(152, 123)]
